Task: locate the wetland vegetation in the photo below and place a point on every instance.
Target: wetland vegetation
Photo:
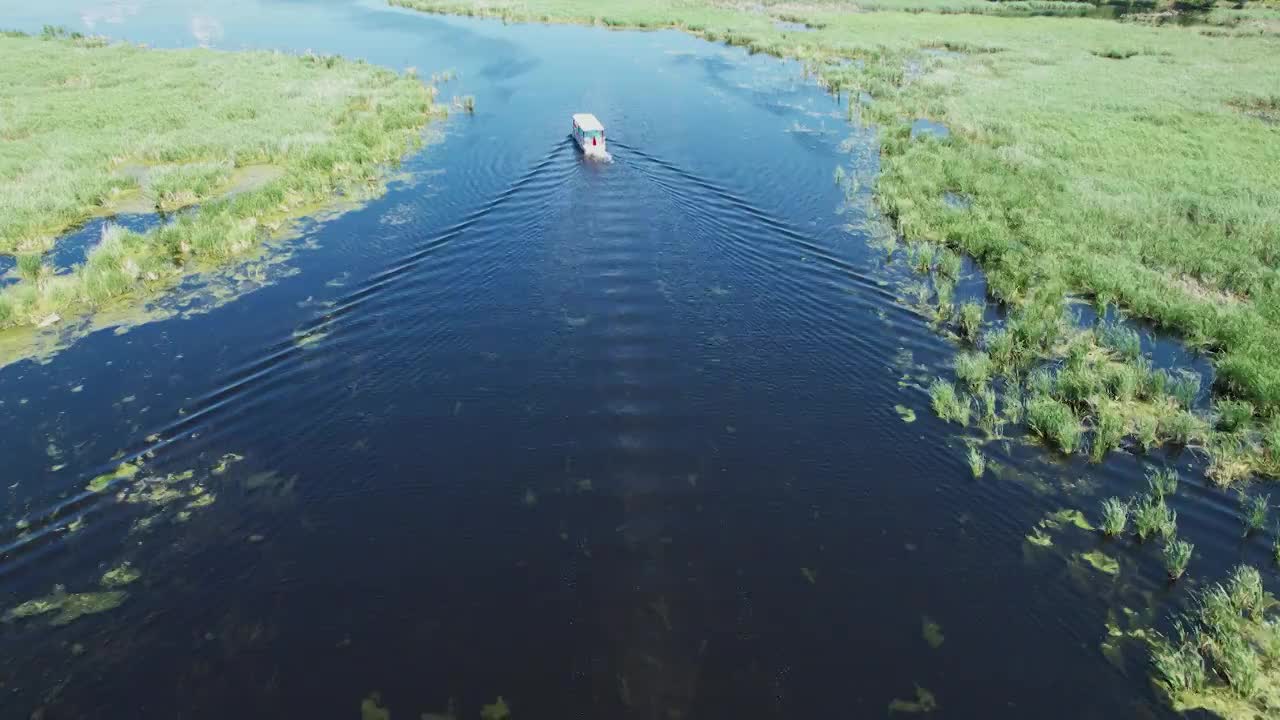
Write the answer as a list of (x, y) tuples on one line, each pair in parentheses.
[(251, 140), (1150, 190)]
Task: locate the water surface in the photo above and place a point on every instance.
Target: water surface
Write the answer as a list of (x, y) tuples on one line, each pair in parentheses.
[(605, 440)]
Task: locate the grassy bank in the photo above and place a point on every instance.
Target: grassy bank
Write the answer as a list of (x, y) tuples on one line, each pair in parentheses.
[(90, 128), (1130, 164)]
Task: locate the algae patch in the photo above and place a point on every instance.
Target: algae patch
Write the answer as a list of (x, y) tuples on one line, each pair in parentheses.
[(371, 708), (924, 702), (67, 607), (1101, 562), (120, 576), (497, 710), (907, 414), (124, 472), (932, 632)]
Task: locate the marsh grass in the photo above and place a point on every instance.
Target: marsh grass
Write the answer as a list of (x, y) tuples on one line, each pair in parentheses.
[(969, 318), (1253, 511), (1163, 483), (1115, 516), (328, 125), (977, 463), (1177, 554), (949, 405), (1225, 655), (973, 368), (1234, 415), (1152, 516), (1108, 431), (1054, 422)]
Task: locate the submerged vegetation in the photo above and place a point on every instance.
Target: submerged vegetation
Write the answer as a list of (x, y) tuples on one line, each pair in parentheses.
[(94, 129)]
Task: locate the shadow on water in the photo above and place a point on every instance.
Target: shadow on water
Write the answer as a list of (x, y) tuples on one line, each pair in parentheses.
[(603, 440)]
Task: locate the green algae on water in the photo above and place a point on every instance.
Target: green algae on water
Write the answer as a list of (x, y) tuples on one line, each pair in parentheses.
[(932, 632), (810, 575), (907, 414), (371, 708), (1101, 562), (924, 702), (67, 607), (124, 471), (120, 576), (497, 710)]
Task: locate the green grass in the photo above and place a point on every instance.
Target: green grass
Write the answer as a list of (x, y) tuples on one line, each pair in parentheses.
[(947, 403), (973, 368), (1115, 516), (1163, 483), (1253, 511), (1055, 422), (1177, 554), (977, 462), (969, 318), (1225, 657), (90, 128), (1151, 516)]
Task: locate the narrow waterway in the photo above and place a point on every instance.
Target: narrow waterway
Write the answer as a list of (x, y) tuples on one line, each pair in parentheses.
[(601, 439)]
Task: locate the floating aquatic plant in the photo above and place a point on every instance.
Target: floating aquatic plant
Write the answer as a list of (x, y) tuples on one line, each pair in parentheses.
[(932, 632)]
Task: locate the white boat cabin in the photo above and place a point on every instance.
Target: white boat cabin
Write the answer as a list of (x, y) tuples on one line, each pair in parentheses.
[(589, 134)]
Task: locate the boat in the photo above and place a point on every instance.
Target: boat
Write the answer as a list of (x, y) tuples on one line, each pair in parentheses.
[(589, 134)]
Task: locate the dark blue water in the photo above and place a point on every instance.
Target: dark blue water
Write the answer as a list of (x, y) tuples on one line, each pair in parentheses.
[(605, 440)]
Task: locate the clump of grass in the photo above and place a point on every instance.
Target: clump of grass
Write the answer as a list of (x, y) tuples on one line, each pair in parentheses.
[(1014, 404), (1275, 546), (1147, 429), (947, 403), (1042, 382), (1182, 427), (1152, 516), (1179, 667), (1177, 553), (1125, 341), (948, 264), (1253, 511), (986, 400), (1108, 431), (1185, 388), (1234, 415), (970, 319), (1163, 483), (1227, 627), (1055, 422), (977, 462), (973, 368), (921, 257), (33, 269), (1115, 516), (1122, 381)]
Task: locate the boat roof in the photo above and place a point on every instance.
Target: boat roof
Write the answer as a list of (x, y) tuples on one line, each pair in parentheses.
[(587, 121)]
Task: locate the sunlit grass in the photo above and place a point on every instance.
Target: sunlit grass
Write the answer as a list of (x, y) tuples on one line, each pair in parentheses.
[(977, 462), (1177, 554), (1115, 516), (1152, 516), (949, 404), (88, 128)]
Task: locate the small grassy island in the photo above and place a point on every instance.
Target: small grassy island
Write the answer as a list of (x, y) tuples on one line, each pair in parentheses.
[(254, 139)]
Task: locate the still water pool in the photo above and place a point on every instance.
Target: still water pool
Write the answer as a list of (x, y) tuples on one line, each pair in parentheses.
[(603, 440)]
